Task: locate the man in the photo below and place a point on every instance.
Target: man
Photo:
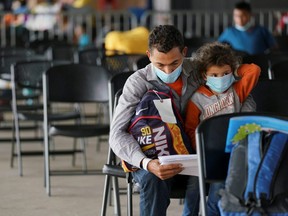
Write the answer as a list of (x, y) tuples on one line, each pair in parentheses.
[(168, 69), (246, 37)]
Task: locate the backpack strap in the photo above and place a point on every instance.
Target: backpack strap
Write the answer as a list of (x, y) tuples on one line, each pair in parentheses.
[(268, 168), (254, 159)]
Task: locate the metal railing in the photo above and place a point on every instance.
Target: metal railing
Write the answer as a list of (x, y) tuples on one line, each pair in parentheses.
[(207, 23), (190, 23)]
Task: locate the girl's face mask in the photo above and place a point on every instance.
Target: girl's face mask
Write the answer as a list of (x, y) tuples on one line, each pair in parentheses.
[(220, 84)]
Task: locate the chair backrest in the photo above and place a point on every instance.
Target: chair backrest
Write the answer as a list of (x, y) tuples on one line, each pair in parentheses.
[(119, 63), (261, 60), (211, 137), (115, 84), (279, 70), (271, 96), (40, 46), (92, 56), (76, 83), (195, 42), (63, 53), (16, 51), (282, 42), (29, 73), (142, 62), (7, 60)]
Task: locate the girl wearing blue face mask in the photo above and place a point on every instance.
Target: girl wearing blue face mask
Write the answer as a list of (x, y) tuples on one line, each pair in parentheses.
[(220, 93)]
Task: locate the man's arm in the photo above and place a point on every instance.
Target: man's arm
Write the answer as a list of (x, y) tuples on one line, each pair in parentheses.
[(122, 143)]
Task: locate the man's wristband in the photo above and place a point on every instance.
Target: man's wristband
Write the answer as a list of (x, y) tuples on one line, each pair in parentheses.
[(144, 163)]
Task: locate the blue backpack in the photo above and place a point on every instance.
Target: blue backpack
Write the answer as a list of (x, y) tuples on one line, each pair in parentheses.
[(257, 180), (157, 138)]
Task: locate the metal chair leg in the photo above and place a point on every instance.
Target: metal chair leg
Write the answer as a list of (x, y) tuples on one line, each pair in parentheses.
[(105, 195), (129, 199), (117, 206)]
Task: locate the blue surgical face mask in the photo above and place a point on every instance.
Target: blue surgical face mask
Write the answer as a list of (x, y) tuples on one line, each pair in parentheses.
[(220, 84), (243, 28), (168, 78)]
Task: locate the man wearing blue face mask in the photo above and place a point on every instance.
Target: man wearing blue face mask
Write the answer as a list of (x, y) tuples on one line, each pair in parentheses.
[(246, 37), (168, 70), (221, 94)]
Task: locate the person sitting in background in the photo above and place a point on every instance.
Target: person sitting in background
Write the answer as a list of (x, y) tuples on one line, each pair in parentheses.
[(246, 37), (217, 64), (82, 39)]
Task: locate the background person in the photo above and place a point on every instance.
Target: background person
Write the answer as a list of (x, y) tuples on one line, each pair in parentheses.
[(246, 37)]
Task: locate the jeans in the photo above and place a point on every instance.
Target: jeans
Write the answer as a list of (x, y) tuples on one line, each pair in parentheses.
[(154, 194), (213, 198)]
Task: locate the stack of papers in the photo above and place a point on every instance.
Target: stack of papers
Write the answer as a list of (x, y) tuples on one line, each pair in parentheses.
[(189, 163)]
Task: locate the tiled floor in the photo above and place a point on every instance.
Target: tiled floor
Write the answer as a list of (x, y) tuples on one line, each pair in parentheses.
[(71, 195)]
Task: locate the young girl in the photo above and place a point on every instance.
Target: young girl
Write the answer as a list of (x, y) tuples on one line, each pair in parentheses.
[(220, 93)]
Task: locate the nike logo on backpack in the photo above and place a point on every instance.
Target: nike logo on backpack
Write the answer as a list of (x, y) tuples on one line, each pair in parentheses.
[(139, 111)]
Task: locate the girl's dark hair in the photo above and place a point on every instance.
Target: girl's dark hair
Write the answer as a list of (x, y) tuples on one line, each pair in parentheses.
[(215, 53), (164, 38)]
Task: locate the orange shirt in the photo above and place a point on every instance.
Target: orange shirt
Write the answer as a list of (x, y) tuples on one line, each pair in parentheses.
[(177, 86)]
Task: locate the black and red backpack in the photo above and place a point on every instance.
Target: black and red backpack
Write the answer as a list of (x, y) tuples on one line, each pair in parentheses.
[(157, 138)]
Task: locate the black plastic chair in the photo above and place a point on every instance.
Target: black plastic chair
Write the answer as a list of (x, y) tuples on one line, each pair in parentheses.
[(92, 56), (195, 42), (7, 60), (212, 159), (262, 61), (271, 96), (16, 51), (40, 46), (9, 57), (282, 42), (142, 62), (112, 169), (119, 63), (279, 70), (68, 53), (73, 83), (276, 57), (27, 77)]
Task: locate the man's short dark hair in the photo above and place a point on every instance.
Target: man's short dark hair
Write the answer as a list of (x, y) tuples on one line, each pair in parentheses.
[(243, 6), (164, 38)]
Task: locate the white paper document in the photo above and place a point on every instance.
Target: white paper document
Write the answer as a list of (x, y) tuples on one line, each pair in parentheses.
[(189, 162)]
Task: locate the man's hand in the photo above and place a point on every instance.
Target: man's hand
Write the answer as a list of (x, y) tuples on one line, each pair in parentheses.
[(164, 171)]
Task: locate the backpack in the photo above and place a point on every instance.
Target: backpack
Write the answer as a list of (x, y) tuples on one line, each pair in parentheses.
[(257, 180), (157, 138)]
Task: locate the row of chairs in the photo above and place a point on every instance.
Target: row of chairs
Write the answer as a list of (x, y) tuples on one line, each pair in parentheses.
[(73, 84), (114, 61), (22, 61)]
